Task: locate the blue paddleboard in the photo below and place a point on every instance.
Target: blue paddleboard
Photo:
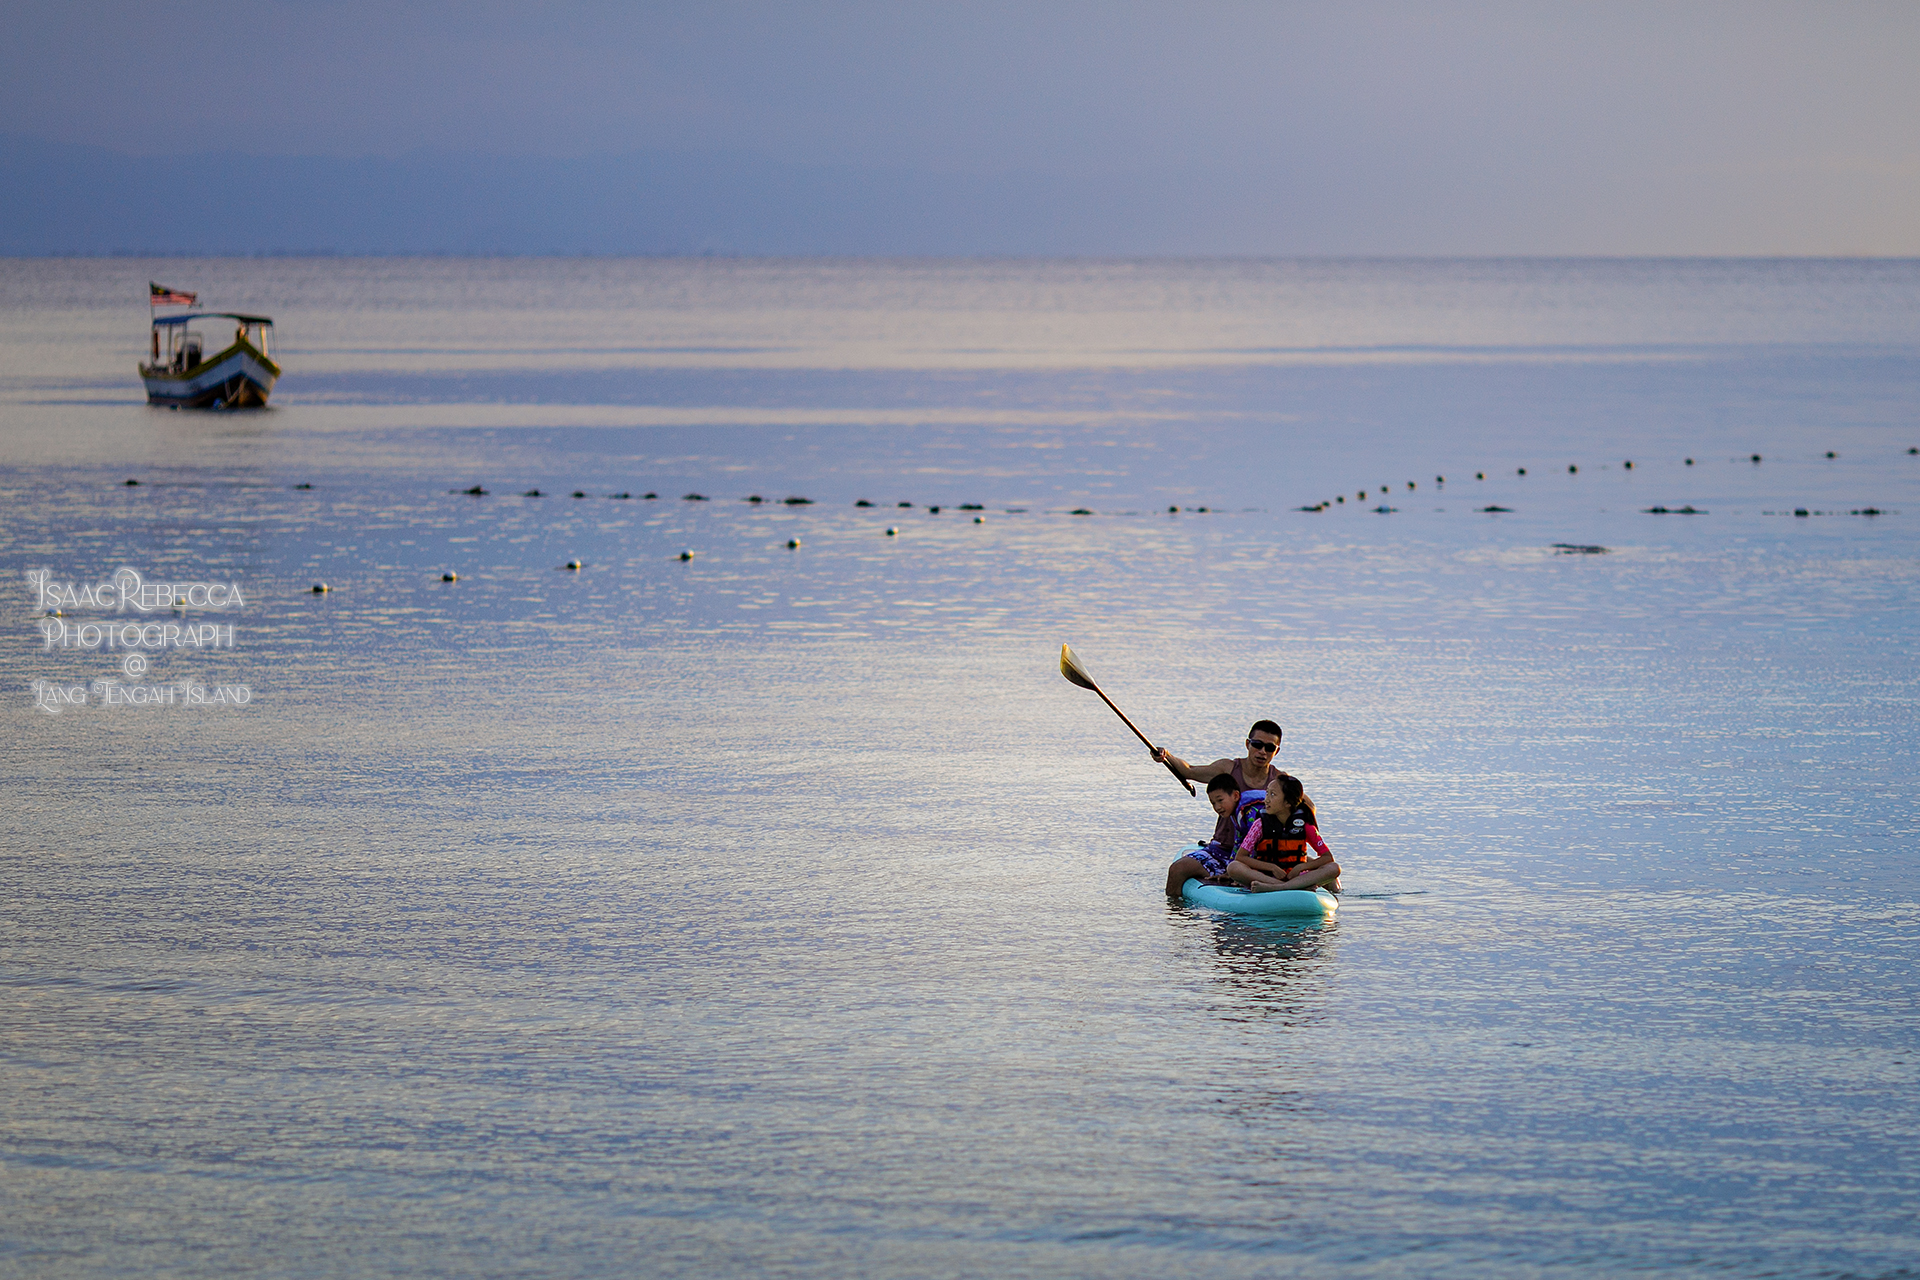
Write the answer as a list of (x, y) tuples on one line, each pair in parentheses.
[(1279, 902)]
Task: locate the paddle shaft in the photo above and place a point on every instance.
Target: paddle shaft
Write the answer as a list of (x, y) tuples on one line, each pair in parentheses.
[(1136, 733)]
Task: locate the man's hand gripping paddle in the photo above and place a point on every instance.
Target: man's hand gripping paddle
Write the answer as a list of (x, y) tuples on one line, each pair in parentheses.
[(1070, 668)]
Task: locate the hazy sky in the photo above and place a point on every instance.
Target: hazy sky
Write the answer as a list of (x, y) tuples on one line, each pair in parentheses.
[(1409, 128)]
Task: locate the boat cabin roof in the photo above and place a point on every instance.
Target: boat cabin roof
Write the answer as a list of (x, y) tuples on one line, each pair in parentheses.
[(202, 315)]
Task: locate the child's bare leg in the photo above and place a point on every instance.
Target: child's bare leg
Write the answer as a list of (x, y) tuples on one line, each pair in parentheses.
[(1249, 876), (1326, 875), (1183, 870)]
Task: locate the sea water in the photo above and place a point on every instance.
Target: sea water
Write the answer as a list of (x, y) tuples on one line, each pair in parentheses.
[(779, 909)]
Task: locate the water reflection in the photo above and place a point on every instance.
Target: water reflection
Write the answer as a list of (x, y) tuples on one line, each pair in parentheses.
[(1274, 968)]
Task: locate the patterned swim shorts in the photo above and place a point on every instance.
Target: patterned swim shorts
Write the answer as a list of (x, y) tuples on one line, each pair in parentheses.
[(1213, 858)]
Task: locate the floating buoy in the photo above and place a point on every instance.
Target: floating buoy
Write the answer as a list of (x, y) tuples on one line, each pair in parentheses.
[(1173, 511), (303, 486), (686, 555), (622, 496), (1756, 457), (1082, 511), (863, 503), (933, 511), (133, 482), (1360, 496), (1832, 454), (573, 564), (477, 491), (693, 497), (1573, 470), (1439, 479), (449, 576), (799, 502), (979, 519), (1689, 461), (1523, 471), (321, 588), (1913, 451), (903, 504), (650, 495), (793, 544), (1479, 475), (579, 493), (1628, 464), (1341, 498), (1495, 510), (971, 506), (533, 493), (1799, 511), (754, 497), (892, 532), (1409, 484)]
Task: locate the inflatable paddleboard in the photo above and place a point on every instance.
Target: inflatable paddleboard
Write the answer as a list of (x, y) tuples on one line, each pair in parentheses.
[(1279, 902)]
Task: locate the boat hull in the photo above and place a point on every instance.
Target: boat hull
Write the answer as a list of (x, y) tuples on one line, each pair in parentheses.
[(237, 378)]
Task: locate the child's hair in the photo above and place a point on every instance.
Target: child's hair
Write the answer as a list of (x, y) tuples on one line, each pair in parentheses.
[(1222, 782), (1291, 788)]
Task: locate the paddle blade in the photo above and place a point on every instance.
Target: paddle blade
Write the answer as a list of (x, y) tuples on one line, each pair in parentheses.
[(1070, 668)]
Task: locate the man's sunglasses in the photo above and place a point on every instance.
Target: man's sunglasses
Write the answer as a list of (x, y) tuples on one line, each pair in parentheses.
[(1254, 744)]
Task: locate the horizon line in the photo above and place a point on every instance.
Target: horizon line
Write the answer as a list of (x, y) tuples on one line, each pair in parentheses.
[(730, 256)]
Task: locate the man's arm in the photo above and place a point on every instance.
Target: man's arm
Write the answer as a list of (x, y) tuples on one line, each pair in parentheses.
[(1206, 773)]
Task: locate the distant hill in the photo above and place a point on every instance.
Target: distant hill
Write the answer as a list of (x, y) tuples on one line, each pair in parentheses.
[(62, 199)]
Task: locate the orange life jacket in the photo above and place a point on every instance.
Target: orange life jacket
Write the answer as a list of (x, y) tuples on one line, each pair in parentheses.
[(1283, 841)]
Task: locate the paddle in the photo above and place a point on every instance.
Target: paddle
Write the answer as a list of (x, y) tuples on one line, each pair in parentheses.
[(1070, 668)]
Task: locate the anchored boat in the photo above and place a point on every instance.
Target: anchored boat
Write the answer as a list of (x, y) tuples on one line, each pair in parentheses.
[(181, 376)]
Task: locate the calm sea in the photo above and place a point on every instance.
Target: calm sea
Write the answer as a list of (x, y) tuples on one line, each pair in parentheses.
[(780, 910)]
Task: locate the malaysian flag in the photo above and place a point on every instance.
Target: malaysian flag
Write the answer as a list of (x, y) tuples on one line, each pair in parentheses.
[(160, 296)]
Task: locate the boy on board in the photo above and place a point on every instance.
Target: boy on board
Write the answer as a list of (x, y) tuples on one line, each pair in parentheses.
[(1234, 813), (1253, 772), (1274, 852)]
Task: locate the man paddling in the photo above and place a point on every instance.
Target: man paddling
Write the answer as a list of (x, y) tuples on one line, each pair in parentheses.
[(1251, 772)]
